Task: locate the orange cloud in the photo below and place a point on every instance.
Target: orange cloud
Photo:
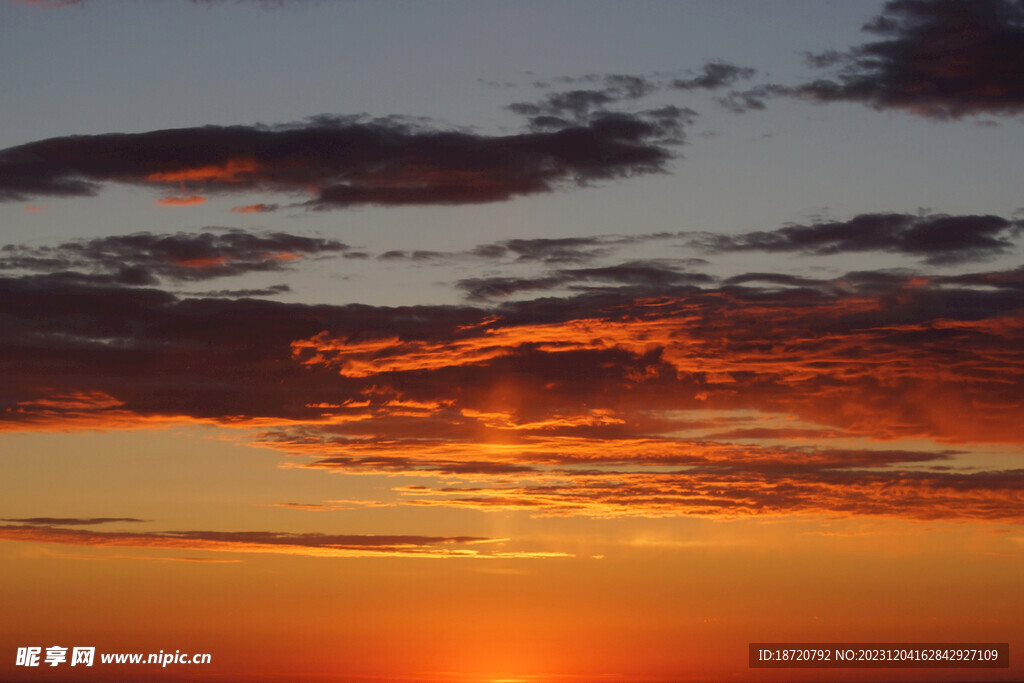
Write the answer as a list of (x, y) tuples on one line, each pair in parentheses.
[(730, 401), (991, 496), (869, 379), (232, 171), (254, 208), (209, 262), (181, 201)]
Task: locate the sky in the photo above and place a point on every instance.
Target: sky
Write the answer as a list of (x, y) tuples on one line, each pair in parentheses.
[(494, 341)]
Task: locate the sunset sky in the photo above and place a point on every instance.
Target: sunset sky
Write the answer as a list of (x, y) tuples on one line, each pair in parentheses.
[(579, 340)]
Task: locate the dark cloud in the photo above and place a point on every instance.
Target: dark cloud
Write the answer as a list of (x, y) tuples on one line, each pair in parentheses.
[(573, 103), (81, 348), (578, 104), (715, 74), (145, 258), (601, 107), (550, 249), (485, 288), (629, 86), (547, 250), (663, 126), (242, 293), (77, 352), (420, 466), (773, 279), (608, 94), (619, 86), (752, 99), (417, 255), (1007, 279), (640, 274), (938, 239), (70, 521), (943, 59), (343, 161)]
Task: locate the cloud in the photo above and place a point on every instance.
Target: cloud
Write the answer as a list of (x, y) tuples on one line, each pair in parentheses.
[(193, 200), (341, 161), (548, 250), (715, 74), (80, 352), (752, 99), (70, 521), (987, 496), (332, 505), (763, 394), (144, 258), (322, 545), (938, 239), (255, 208), (557, 108), (1006, 279), (580, 104), (243, 293), (553, 249), (573, 103), (641, 274), (943, 59)]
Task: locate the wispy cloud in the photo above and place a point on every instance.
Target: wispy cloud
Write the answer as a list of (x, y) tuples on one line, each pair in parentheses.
[(714, 75), (641, 274), (70, 521), (313, 544), (145, 259), (938, 239)]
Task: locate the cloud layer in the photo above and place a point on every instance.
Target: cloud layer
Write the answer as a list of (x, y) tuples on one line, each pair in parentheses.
[(649, 392)]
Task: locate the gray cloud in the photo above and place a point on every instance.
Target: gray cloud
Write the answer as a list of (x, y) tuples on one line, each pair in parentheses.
[(145, 259), (943, 59), (938, 239)]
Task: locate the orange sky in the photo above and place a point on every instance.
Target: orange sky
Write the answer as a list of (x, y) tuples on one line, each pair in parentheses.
[(541, 342)]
